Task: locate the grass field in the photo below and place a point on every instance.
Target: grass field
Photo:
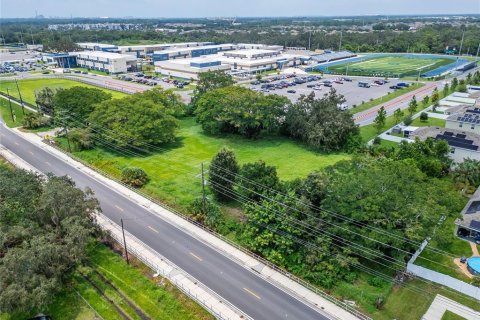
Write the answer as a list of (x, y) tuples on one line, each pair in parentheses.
[(392, 66), (174, 172), (28, 87), (431, 122), (7, 115)]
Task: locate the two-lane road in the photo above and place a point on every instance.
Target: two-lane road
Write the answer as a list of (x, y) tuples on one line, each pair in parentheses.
[(241, 287)]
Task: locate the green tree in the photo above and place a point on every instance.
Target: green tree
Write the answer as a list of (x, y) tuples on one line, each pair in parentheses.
[(398, 115), (425, 101), (412, 105), (81, 138), (45, 227), (380, 119), (446, 90), (435, 98), (33, 120), (44, 100), (241, 111), (206, 212), (208, 81), (74, 105), (222, 174), (454, 84), (133, 122), (462, 86), (257, 179), (467, 173), (136, 177), (320, 123)]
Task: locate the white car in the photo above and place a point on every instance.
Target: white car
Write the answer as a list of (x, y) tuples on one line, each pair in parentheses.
[(317, 88)]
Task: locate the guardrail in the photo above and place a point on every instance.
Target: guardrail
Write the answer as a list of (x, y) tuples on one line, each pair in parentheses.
[(287, 274), (133, 249)]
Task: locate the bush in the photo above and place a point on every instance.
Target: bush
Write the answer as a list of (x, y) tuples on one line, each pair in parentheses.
[(377, 140), (424, 116), (408, 120), (135, 177), (35, 120)]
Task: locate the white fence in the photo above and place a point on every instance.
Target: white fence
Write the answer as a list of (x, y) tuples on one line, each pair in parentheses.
[(441, 278)]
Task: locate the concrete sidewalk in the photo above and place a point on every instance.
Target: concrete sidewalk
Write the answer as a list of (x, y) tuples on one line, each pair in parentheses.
[(441, 304), (313, 297)]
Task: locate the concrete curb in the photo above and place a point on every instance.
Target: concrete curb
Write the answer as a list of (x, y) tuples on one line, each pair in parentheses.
[(283, 281)]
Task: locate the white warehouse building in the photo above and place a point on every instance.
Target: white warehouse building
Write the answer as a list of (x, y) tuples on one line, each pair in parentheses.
[(106, 61), (247, 61)]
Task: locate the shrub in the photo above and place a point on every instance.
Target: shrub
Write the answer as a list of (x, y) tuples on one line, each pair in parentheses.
[(35, 120), (408, 120), (424, 116), (135, 177), (377, 140)]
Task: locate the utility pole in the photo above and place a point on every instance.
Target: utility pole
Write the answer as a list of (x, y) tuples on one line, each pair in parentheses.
[(340, 44), (20, 95), (66, 131), (204, 199), (478, 50), (10, 104), (124, 242)]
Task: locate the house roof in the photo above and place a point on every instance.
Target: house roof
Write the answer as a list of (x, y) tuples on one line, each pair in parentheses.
[(471, 213)]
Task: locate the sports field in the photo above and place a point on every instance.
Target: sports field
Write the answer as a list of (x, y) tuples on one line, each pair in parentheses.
[(391, 66)]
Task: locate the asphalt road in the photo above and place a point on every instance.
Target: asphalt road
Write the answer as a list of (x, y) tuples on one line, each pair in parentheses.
[(241, 287)]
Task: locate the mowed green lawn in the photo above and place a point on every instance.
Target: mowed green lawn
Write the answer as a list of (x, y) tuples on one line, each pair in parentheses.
[(28, 87), (391, 65), (174, 173)]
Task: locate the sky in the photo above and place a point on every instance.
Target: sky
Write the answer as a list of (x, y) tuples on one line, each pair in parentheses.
[(230, 8)]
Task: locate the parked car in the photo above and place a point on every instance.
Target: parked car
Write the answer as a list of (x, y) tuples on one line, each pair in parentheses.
[(395, 87), (291, 91)]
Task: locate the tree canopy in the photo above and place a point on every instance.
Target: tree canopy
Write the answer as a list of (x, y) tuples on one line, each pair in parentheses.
[(319, 122), (137, 121), (241, 111), (74, 105), (45, 227), (210, 80)]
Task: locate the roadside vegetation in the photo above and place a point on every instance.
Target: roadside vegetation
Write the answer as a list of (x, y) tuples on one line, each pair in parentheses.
[(295, 185), (55, 261)]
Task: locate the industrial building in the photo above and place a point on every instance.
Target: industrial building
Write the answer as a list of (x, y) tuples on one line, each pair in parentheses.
[(239, 62), (189, 68), (61, 60), (94, 46), (106, 61), (190, 52)]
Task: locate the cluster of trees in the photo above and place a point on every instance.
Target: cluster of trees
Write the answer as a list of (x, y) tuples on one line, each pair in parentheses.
[(222, 108), (402, 192), (45, 227), (137, 121)]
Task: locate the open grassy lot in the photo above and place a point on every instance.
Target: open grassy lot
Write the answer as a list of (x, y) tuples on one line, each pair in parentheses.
[(6, 114), (28, 87), (431, 122), (393, 66), (448, 315), (174, 172)]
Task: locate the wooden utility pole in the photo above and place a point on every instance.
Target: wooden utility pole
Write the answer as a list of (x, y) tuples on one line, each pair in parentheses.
[(124, 242), (10, 104), (204, 199), (20, 95)]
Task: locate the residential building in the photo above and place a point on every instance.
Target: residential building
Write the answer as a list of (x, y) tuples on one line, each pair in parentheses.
[(463, 144), (467, 119), (468, 226)]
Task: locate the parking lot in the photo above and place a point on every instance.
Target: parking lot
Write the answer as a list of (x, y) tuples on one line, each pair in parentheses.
[(19, 61), (353, 93)]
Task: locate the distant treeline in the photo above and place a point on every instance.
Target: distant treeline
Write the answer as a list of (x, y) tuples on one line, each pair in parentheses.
[(390, 36)]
